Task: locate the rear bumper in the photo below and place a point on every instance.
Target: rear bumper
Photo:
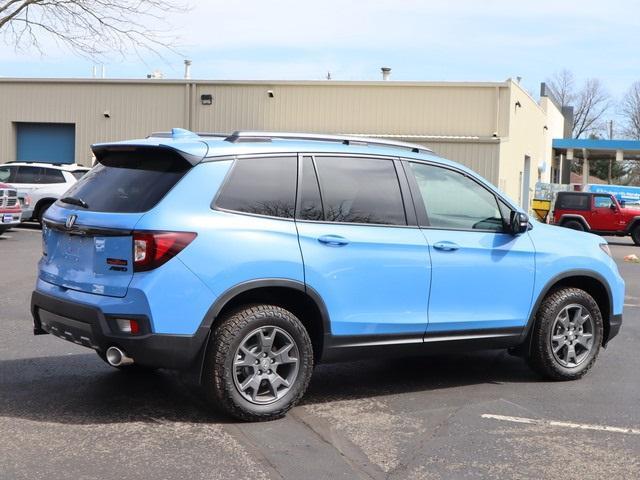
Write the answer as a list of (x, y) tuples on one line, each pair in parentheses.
[(88, 326), (614, 327)]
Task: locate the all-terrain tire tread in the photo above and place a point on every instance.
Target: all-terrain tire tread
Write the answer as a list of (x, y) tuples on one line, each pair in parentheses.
[(540, 357), (224, 334)]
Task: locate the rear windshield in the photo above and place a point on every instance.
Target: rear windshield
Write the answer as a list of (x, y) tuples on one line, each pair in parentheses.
[(128, 182), (573, 201)]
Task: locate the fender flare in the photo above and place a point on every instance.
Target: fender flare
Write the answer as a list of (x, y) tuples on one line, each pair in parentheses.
[(551, 283), (574, 216), (231, 293)]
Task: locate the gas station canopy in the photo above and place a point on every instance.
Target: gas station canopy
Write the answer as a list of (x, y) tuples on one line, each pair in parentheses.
[(581, 148)]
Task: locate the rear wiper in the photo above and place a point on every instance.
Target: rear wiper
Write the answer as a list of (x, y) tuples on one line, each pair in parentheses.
[(75, 201)]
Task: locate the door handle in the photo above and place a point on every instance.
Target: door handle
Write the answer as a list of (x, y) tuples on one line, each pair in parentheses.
[(446, 246), (333, 240)]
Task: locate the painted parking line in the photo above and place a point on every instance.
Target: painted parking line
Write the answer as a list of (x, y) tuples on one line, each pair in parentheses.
[(556, 423)]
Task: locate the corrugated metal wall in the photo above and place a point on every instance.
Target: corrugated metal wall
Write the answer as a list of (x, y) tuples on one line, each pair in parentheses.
[(135, 110), (139, 107), (392, 108)]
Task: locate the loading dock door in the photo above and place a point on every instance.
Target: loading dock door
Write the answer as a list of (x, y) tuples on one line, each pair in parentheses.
[(46, 142)]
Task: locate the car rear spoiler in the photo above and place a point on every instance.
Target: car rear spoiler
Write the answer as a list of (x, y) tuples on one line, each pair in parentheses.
[(102, 151)]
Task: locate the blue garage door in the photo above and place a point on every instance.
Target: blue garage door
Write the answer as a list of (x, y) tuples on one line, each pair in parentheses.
[(46, 142)]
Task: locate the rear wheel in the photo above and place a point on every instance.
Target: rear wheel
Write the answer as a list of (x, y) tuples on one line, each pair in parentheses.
[(635, 234), (40, 212), (567, 335), (574, 225), (258, 364)]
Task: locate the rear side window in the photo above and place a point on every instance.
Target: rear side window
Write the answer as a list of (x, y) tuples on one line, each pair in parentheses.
[(573, 201), (360, 190), (7, 173), (129, 181), (51, 175), (261, 186), (310, 201)]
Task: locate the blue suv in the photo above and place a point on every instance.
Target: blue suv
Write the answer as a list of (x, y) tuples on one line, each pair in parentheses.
[(250, 258)]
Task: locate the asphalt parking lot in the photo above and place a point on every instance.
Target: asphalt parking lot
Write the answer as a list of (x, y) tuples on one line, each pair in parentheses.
[(64, 414)]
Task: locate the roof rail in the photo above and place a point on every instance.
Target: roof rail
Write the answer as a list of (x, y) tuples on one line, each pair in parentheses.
[(181, 133), (241, 136)]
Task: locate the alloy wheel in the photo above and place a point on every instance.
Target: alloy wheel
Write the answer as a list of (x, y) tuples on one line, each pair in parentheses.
[(266, 365), (572, 335)]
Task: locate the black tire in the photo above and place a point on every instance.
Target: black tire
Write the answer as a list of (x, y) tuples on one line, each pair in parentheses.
[(574, 225), (635, 234), (542, 358), (133, 368), (220, 375), (41, 209)]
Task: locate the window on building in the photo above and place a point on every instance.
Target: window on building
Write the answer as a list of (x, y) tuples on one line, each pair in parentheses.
[(360, 190), (261, 186), (455, 201)]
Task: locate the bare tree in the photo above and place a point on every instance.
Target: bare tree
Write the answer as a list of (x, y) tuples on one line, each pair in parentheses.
[(89, 27), (630, 111), (591, 102)]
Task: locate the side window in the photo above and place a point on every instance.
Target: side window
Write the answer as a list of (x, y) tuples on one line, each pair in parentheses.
[(78, 174), (51, 175), (573, 201), (360, 190), (602, 202), (7, 173), (454, 201), (29, 175), (261, 186), (310, 201)]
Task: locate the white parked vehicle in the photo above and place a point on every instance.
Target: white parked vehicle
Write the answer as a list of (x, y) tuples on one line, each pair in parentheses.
[(43, 182)]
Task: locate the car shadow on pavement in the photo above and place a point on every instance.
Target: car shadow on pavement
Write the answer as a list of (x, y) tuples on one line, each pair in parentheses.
[(80, 389), (415, 374)]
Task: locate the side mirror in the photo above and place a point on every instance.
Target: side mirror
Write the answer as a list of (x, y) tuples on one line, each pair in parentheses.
[(622, 203), (519, 223)]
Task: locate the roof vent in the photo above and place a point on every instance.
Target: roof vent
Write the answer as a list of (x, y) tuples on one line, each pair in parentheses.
[(386, 73)]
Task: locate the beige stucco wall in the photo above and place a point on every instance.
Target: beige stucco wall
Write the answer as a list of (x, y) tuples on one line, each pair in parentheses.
[(527, 136)]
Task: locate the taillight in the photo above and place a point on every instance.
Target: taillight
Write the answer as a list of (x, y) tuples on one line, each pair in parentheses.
[(152, 249)]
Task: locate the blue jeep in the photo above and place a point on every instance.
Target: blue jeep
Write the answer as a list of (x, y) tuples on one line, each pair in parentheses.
[(252, 257)]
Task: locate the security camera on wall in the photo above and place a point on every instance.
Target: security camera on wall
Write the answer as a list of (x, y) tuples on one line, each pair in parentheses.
[(107, 114), (494, 134)]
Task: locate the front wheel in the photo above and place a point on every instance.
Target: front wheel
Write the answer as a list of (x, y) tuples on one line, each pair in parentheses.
[(258, 364), (635, 235), (567, 335)]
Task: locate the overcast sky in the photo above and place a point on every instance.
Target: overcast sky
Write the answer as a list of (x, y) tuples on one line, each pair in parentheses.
[(421, 40)]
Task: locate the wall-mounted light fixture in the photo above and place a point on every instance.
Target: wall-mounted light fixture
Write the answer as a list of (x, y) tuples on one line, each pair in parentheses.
[(106, 114), (206, 99), (270, 94), (518, 104), (545, 128)]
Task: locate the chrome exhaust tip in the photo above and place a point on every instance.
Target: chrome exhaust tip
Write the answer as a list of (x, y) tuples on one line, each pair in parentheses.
[(117, 358)]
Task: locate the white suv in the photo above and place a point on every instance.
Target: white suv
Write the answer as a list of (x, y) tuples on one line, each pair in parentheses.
[(43, 182)]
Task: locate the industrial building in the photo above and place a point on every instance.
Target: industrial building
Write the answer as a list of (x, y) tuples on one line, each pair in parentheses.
[(495, 128)]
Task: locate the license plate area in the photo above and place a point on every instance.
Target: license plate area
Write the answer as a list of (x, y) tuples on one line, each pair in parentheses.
[(68, 329)]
